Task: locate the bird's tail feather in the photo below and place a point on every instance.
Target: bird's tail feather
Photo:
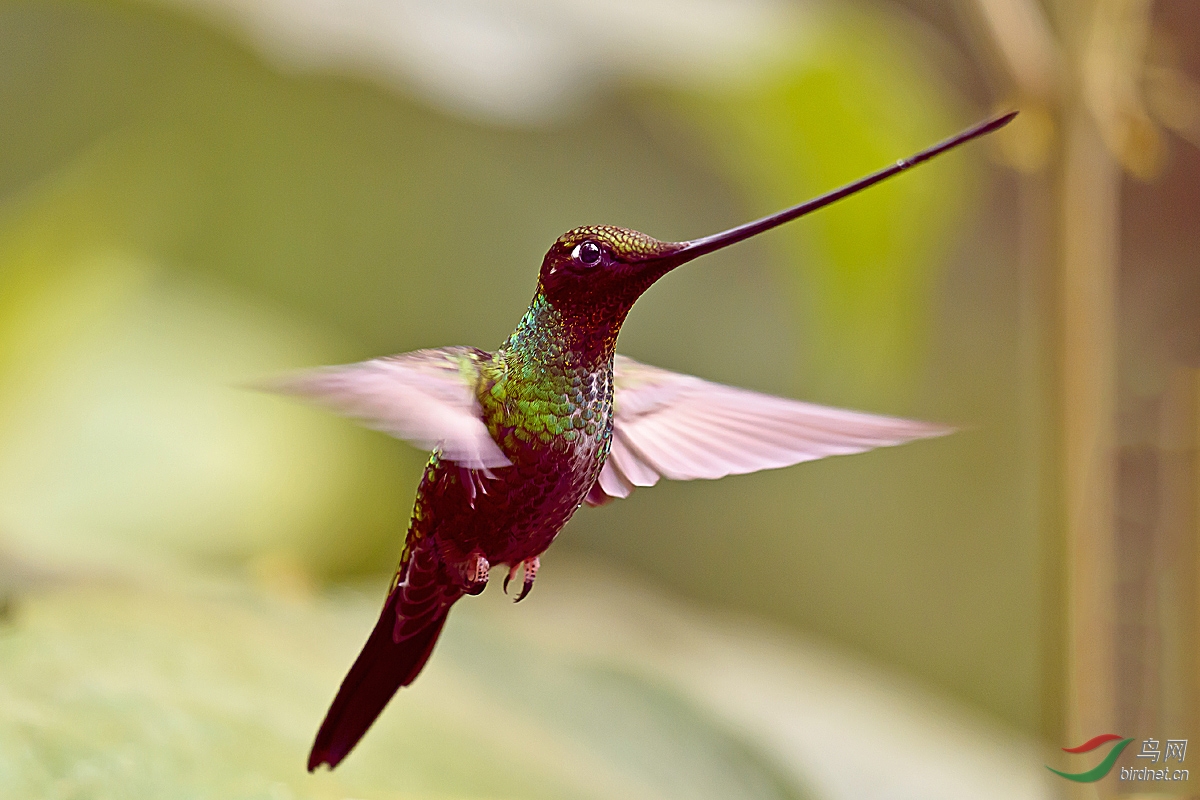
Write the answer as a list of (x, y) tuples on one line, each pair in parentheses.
[(383, 666)]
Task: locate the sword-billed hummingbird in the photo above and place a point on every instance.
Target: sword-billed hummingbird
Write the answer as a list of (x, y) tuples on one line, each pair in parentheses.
[(524, 436)]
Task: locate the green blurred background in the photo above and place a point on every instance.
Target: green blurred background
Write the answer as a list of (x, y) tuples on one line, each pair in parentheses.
[(197, 194)]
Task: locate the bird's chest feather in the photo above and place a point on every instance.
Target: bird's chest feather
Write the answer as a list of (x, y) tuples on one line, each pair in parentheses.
[(554, 423)]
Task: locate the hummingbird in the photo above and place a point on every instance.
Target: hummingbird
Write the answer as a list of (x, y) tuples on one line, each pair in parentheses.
[(523, 436)]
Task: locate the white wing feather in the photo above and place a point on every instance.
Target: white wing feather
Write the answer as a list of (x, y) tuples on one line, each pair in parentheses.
[(680, 427), (426, 397)]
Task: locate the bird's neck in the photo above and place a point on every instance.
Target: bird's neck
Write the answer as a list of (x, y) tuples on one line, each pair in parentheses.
[(550, 336)]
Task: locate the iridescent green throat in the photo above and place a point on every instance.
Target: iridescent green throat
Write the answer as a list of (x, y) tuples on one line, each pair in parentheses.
[(550, 383)]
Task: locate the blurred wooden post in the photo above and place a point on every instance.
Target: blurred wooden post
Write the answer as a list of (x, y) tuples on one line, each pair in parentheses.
[(1090, 181), (1081, 570), (1176, 704), (1099, 58)]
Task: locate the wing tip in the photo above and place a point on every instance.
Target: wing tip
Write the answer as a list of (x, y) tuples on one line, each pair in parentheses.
[(934, 430), (276, 384), (299, 383)]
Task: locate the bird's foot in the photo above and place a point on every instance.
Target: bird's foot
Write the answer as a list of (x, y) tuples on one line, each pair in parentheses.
[(531, 568), (475, 572)]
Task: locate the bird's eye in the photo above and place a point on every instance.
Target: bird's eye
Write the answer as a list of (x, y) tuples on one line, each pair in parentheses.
[(588, 253)]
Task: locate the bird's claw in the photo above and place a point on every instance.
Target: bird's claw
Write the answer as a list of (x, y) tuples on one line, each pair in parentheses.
[(531, 568)]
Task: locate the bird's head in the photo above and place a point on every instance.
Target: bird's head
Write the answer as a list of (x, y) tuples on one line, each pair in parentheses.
[(598, 271), (593, 274)]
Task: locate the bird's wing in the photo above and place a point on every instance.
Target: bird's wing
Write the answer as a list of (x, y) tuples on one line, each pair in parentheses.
[(426, 397), (681, 427)]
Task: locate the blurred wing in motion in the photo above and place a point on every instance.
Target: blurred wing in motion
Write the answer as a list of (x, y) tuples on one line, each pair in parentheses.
[(680, 427), (426, 397)]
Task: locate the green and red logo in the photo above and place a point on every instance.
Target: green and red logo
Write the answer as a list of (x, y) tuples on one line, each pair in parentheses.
[(1104, 767)]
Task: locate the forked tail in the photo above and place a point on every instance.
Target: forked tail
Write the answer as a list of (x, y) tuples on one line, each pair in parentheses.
[(393, 656)]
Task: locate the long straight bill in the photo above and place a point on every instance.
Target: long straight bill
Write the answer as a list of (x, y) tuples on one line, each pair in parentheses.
[(699, 247)]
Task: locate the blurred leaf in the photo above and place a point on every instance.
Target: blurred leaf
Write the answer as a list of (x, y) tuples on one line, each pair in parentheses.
[(592, 688), (148, 693)]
